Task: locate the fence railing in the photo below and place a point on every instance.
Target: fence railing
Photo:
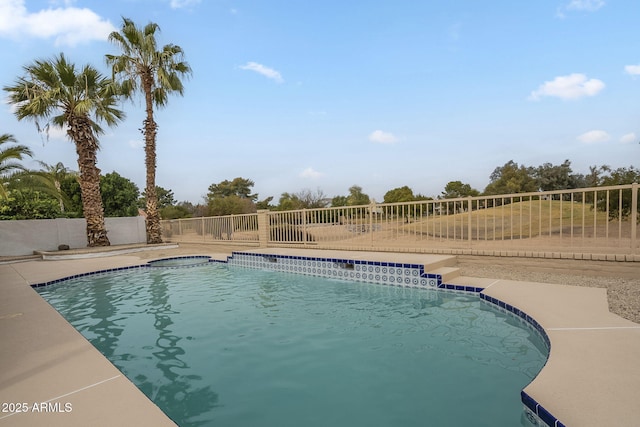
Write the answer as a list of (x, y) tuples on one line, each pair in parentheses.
[(598, 219), (236, 228)]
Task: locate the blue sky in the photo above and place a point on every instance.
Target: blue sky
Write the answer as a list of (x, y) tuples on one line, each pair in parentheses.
[(328, 94)]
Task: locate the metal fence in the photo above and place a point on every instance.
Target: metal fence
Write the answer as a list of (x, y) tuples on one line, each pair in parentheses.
[(231, 228), (599, 219)]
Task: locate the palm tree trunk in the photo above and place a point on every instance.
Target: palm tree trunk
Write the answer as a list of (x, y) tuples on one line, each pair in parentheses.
[(86, 147), (154, 232)]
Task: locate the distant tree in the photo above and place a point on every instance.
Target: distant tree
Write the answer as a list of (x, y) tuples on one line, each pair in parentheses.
[(156, 74), (264, 204), (620, 176), (313, 199), (239, 187), (400, 194), (175, 212), (339, 201), (511, 178), (119, 195), (70, 186), (231, 205), (192, 210), (10, 157), (23, 202), (288, 202), (76, 99), (231, 197), (456, 189), (304, 199), (49, 180), (357, 197), (595, 175), (117, 191), (551, 177)]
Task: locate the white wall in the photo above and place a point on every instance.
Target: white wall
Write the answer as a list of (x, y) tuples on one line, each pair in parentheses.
[(22, 237)]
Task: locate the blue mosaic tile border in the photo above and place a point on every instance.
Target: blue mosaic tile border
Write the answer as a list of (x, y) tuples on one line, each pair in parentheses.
[(384, 273), (205, 259), (202, 257), (91, 273), (521, 314), (158, 263), (535, 413)]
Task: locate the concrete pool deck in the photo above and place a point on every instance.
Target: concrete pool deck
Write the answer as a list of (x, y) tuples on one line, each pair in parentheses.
[(592, 377)]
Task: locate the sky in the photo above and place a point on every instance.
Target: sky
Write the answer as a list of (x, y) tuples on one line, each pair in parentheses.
[(324, 95)]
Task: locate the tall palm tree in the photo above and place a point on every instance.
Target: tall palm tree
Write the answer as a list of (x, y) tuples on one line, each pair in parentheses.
[(156, 74), (58, 93), (9, 157)]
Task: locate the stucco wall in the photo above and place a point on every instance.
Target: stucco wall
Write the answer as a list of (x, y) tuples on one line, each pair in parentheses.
[(22, 237)]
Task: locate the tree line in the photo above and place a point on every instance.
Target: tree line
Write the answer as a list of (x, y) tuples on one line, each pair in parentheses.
[(236, 196), (54, 190)]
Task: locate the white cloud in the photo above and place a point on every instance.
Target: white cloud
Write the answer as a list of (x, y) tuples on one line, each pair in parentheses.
[(629, 138), (177, 4), (310, 173), (579, 6), (634, 70), (587, 5), (265, 71), (66, 25), (573, 86), (594, 136), (62, 2), (382, 137)]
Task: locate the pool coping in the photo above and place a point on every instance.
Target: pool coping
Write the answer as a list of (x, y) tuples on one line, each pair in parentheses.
[(585, 338)]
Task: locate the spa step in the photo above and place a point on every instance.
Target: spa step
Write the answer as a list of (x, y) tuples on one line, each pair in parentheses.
[(447, 273), (435, 262)]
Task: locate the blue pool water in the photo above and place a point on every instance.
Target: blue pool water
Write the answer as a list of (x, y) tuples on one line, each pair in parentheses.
[(215, 345)]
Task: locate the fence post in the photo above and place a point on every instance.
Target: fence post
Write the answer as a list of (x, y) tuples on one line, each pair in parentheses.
[(372, 209), (304, 227), (634, 217), (469, 209), (263, 227), (204, 234)]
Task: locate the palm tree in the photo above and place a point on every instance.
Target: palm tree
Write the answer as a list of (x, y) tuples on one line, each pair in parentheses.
[(156, 74), (8, 157), (56, 92), (50, 178)]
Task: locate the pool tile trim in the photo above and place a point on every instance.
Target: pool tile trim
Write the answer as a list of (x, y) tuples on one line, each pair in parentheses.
[(204, 258), (91, 273), (149, 264), (380, 272), (535, 412)]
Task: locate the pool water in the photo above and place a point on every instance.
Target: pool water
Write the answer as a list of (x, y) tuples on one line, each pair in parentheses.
[(227, 346)]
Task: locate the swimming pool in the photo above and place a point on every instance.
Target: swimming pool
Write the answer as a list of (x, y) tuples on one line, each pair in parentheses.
[(222, 345)]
